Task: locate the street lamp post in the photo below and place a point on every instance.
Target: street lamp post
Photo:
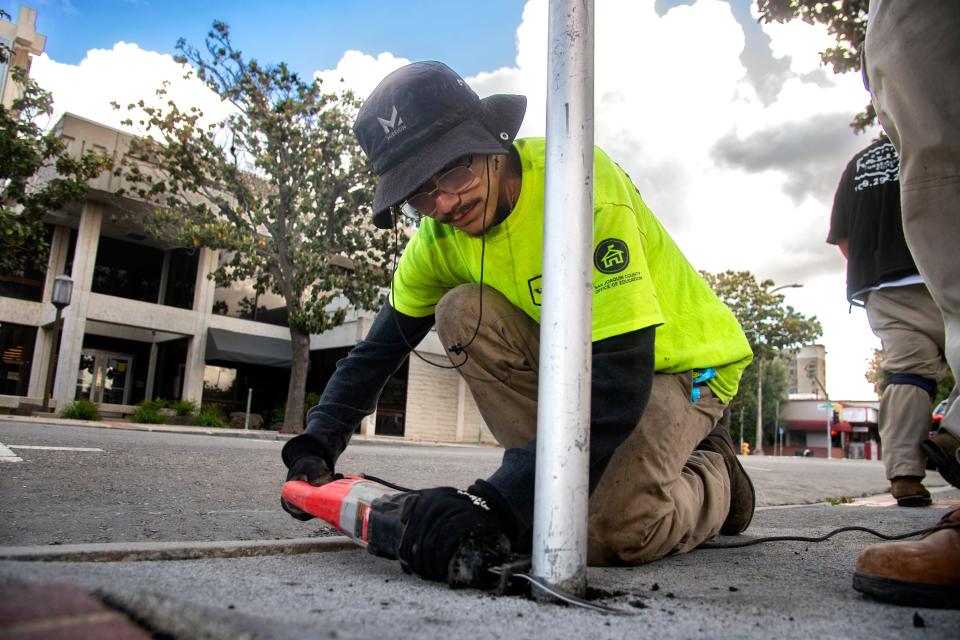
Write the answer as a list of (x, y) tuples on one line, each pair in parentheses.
[(60, 297), (759, 449)]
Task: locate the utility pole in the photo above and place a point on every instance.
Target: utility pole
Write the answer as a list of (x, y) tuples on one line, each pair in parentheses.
[(759, 450)]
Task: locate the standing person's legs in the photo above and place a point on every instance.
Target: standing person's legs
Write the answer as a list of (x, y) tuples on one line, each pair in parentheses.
[(910, 327), (657, 494), (912, 49)]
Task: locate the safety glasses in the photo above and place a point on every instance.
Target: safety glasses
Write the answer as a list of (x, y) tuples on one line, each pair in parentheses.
[(453, 181)]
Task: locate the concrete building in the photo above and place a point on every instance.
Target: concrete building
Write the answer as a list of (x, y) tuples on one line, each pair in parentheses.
[(146, 322), (848, 429), (807, 371), (23, 41)]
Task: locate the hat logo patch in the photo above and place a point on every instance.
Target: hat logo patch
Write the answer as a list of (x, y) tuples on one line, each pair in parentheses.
[(394, 125)]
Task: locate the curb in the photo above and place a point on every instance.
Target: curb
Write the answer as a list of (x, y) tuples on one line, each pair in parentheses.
[(259, 434), (152, 551)]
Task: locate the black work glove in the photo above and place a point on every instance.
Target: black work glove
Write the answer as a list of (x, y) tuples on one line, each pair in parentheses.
[(443, 519), (312, 469)]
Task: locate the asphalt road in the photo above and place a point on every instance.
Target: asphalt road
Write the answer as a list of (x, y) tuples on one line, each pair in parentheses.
[(149, 487), (141, 486), (168, 486), (782, 590)]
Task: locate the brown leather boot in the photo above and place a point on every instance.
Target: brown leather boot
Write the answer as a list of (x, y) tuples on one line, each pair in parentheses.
[(943, 454), (924, 572), (910, 492), (742, 496)]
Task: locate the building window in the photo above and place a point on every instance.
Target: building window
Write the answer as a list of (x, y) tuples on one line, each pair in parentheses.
[(392, 406), (16, 356), (26, 283), (241, 300), (181, 278), (127, 270)]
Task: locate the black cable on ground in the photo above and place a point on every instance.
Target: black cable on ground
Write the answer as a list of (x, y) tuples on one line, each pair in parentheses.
[(873, 532)]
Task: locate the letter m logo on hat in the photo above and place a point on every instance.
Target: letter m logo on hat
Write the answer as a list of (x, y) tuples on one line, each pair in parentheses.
[(391, 124)]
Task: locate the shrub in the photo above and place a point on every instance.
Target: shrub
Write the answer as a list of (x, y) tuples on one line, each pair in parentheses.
[(81, 410), (184, 407), (209, 416), (310, 400), (275, 415), (148, 412)]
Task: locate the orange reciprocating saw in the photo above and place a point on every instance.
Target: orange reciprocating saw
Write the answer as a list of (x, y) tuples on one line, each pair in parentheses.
[(366, 511)]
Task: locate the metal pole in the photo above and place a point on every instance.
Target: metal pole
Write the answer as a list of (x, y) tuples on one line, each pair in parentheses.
[(759, 450), (741, 429), (829, 439), (563, 415), (246, 417), (776, 430), (48, 386)]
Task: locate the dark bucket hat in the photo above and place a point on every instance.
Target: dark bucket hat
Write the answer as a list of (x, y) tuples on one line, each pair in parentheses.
[(420, 118)]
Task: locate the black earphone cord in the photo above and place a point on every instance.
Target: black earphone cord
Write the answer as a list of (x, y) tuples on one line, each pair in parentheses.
[(456, 347)]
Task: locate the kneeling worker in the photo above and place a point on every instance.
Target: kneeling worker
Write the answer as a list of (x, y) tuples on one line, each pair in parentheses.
[(667, 353)]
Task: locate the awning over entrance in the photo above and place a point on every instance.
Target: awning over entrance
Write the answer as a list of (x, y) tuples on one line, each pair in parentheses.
[(816, 425), (241, 347)]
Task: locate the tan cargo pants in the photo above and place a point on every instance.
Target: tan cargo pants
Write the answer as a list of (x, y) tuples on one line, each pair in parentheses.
[(910, 327), (657, 496), (912, 49)]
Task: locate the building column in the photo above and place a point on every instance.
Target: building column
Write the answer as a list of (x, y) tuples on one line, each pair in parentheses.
[(151, 369), (203, 294), (59, 247), (75, 314), (461, 408), (368, 426)]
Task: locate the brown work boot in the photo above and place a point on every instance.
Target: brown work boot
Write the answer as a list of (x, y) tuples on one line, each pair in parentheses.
[(742, 496), (910, 492), (943, 453), (924, 572)]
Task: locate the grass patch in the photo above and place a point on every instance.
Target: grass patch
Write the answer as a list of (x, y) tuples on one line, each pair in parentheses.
[(210, 416), (81, 410), (148, 412)]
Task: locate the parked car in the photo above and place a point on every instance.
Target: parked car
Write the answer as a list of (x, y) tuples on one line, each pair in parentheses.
[(937, 416), (938, 412)]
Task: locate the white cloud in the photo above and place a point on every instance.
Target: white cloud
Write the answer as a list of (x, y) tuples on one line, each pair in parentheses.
[(360, 72), (125, 74), (798, 42), (740, 183)]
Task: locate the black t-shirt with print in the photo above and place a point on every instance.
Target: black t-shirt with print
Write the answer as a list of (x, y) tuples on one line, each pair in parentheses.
[(866, 211)]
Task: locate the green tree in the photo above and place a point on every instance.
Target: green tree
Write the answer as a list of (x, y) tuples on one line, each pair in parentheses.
[(37, 174), (280, 185), (772, 330), (846, 21), (874, 374)]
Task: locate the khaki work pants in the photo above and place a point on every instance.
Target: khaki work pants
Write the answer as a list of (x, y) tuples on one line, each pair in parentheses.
[(910, 327), (657, 496), (911, 53)]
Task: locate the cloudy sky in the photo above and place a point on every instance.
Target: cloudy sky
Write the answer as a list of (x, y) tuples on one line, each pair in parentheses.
[(733, 132)]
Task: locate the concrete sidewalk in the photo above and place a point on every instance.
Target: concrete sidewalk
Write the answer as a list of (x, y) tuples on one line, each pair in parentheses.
[(782, 590)]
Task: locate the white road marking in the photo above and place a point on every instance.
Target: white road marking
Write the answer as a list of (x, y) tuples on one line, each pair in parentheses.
[(27, 446), (8, 456)]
